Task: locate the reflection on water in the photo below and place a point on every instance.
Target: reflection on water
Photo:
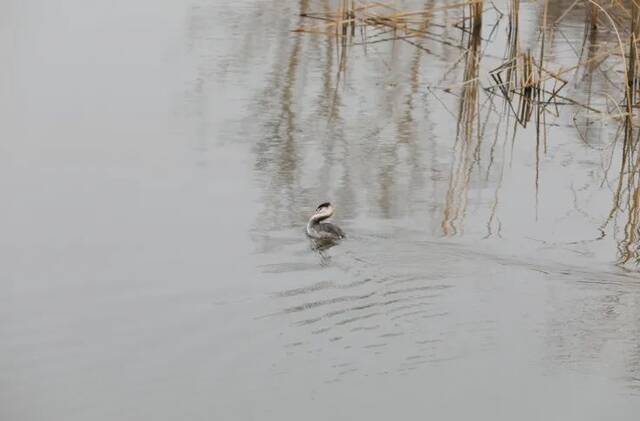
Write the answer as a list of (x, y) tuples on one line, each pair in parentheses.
[(408, 149), (384, 79), (163, 272), (468, 133)]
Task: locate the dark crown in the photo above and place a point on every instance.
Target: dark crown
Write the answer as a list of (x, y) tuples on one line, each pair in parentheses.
[(323, 205)]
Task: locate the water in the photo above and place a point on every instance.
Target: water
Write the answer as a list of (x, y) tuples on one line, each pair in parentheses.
[(159, 162)]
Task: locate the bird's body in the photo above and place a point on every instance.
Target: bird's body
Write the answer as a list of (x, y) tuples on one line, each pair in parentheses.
[(323, 230)]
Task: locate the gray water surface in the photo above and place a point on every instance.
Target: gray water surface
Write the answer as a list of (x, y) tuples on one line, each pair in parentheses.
[(159, 161)]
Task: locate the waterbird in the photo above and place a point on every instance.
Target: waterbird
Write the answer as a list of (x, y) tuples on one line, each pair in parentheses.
[(323, 230)]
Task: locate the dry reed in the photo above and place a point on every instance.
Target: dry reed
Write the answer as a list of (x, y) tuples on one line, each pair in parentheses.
[(530, 89)]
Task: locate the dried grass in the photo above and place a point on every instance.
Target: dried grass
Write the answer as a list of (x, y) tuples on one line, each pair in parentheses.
[(530, 89)]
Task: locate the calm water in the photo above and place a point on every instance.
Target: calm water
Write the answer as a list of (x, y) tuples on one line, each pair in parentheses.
[(158, 163)]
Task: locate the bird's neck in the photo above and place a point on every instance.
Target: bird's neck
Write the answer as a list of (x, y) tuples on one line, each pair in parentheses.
[(317, 218)]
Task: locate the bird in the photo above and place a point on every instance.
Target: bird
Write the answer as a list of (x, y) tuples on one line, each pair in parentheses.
[(324, 230)]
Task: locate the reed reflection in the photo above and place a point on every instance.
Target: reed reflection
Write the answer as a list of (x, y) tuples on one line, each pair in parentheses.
[(359, 123), (344, 36), (468, 137)]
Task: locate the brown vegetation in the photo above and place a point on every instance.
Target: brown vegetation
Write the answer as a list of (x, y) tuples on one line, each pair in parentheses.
[(528, 88)]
